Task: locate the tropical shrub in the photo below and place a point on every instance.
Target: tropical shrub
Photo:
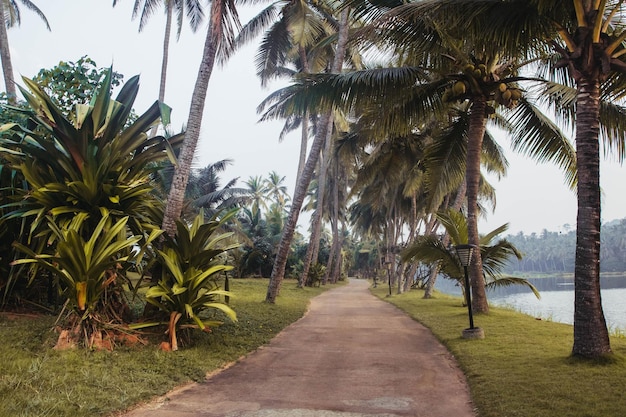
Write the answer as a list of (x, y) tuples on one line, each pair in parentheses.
[(78, 167), (315, 275), (495, 255), (87, 273), (190, 266)]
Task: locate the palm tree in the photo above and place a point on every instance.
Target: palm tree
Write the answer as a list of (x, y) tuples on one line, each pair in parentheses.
[(207, 192), (10, 13), (191, 8), (432, 250), (257, 191), (591, 43), (292, 32), (323, 134), (276, 188), (223, 20)]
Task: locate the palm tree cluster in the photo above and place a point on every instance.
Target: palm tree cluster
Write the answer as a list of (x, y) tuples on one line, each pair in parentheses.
[(536, 69), (401, 99)]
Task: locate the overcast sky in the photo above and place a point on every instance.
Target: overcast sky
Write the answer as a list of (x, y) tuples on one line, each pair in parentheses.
[(532, 197)]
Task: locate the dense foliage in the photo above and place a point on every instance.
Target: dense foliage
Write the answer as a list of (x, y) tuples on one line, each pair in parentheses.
[(553, 252)]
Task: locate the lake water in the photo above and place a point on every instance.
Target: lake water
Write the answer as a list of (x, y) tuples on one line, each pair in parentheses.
[(557, 299)]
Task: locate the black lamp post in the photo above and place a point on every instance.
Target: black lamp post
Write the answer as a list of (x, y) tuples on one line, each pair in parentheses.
[(464, 253)]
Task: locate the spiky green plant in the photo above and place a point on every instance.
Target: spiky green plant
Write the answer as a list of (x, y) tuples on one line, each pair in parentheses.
[(191, 263), (88, 271), (80, 165), (90, 162)]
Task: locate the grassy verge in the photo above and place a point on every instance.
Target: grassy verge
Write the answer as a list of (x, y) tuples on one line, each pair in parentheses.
[(523, 366), (38, 381)]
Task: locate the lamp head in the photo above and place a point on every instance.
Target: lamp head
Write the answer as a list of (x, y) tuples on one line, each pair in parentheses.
[(464, 253)]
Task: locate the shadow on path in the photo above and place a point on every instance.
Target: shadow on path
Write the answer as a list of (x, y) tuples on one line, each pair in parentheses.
[(351, 355)]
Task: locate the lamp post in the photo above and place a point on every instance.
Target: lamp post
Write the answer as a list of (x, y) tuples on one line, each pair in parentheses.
[(464, 253)]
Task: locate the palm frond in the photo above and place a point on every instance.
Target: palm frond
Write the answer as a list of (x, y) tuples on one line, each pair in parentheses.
[(506, 281), (540, 138)]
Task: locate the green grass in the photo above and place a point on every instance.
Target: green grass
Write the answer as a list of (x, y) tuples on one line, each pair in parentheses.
[(523, 366), (36, 380)]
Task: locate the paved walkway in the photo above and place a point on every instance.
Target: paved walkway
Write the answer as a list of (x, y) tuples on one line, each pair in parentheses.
[(352, 355)]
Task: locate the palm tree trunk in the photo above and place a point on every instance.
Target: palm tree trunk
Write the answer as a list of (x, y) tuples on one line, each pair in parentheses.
[(337, 239), (332, 259), (5, 56), (164, 60), (176, 196), (337, 268), (304, 138), (278, 271), (475, 134), (316, 221), (591, 337)]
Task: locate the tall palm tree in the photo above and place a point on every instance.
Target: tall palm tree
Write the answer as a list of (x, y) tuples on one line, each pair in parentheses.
[(257, 191), (191, 8), (276, 189), (590, 49), (10, 12), (223, 21), (323, 134), (292, 33)]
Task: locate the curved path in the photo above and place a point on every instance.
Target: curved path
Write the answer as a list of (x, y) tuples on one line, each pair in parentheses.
[(351, 355)]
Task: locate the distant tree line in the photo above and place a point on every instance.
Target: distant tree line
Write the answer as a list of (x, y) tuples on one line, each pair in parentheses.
[(553, 252)]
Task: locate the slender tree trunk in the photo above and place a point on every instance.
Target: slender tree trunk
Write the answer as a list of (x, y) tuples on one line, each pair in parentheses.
[(330, 264), (337, 240), (336, 275), (5, 55), (325, 158), (476, 132), (397, 267), (278, 271), (166, 50), (176, 196), (304, 138), (316, 221), (591, 338), (166, 53)]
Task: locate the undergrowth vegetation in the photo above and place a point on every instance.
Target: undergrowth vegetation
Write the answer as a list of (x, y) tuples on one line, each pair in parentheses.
[(36, 380), (523, 367)]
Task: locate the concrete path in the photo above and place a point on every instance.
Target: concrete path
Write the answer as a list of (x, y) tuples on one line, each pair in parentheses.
[(352, 355)]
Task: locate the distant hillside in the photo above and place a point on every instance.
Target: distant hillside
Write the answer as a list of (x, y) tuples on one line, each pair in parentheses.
[(554, 252)]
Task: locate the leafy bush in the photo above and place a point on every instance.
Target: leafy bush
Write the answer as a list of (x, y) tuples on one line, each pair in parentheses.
[(191, 263), (87, 273), (89, 199)]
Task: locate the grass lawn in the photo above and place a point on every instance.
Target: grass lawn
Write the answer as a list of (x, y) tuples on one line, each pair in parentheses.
[(38, 381), (523, 366)]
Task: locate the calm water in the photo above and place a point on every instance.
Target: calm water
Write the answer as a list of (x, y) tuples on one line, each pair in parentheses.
[(557, 299)]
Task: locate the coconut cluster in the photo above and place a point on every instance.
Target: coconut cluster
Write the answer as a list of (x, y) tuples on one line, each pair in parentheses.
[(476, 78)]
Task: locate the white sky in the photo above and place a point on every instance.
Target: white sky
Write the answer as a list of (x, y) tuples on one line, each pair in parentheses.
[(532, 197)]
